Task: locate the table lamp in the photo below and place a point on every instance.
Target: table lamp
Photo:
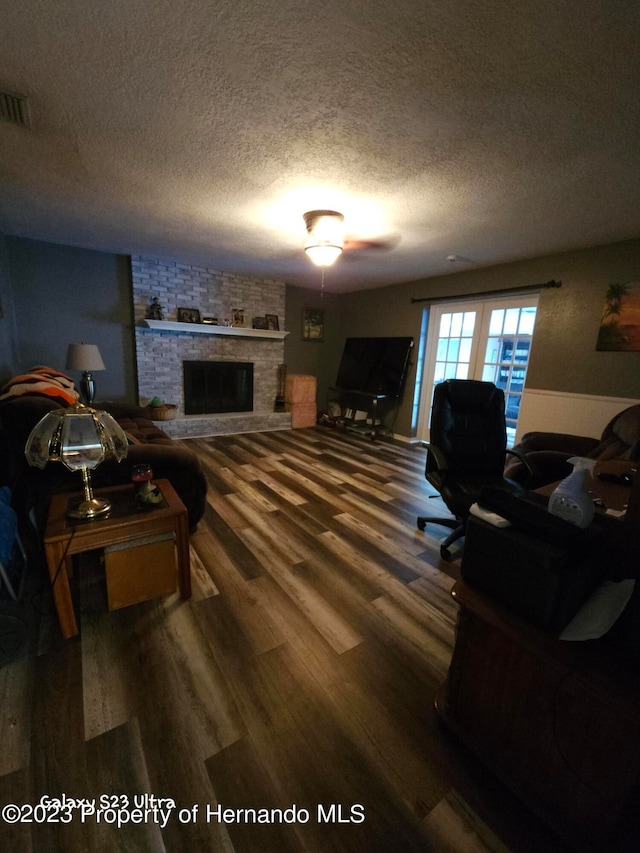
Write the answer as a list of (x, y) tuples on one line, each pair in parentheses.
[(85, 357), (81, 438)]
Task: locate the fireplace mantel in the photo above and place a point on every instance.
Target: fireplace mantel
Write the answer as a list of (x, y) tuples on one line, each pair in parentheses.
[(206, 329)]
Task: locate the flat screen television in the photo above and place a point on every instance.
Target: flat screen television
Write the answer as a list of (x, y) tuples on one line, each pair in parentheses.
[(374, 365)]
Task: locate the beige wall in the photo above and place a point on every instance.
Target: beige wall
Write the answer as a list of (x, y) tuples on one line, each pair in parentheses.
[(564, 357)]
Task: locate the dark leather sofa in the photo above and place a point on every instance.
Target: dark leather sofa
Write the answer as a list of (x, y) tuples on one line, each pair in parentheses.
[(548, 452)]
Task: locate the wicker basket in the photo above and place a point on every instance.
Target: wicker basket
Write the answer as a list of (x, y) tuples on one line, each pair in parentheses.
[(165, 412)]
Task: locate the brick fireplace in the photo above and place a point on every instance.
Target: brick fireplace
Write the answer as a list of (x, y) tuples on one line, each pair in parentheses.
[(160, 353)]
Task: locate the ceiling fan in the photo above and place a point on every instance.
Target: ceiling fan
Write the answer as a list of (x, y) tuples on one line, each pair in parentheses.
[(326, 241)]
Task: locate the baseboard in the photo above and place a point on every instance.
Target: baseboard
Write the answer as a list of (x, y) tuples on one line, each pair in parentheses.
[(409, 440)]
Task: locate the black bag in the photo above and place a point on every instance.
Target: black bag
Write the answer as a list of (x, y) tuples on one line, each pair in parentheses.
[(541, 568)]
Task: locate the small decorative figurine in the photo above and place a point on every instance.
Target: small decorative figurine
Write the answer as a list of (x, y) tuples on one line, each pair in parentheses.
[(155, 311)]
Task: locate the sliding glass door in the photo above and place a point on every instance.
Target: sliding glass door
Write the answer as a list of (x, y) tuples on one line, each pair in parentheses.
[(488, 340)]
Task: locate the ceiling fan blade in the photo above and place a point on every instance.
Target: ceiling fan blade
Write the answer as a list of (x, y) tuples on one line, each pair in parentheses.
[(379, 244)]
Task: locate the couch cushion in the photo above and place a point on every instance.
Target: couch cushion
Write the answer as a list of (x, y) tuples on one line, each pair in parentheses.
[(610, 448), (143, 431), (621, 438), (627, 426)]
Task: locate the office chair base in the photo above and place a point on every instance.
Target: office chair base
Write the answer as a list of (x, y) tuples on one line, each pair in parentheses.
[(422, 522), (457, 532)]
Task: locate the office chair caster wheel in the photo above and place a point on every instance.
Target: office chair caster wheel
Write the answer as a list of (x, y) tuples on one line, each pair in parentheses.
[(445, 553), (421, 524)]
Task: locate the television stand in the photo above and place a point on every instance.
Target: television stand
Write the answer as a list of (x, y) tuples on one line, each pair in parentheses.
[(364, 413)]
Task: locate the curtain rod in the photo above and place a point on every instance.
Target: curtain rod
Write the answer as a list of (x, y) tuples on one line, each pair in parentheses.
[(551, 283)]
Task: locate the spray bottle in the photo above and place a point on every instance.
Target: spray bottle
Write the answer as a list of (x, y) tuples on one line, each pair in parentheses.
[(570, 500)]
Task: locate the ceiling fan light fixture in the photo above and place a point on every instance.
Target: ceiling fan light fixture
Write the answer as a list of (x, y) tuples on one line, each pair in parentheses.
[(323, 255), (326, 238)]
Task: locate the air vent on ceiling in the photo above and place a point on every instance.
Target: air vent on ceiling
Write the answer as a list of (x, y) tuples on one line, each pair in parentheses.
[(14, 108)]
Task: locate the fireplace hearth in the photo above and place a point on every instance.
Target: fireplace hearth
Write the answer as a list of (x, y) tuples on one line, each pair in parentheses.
[(214, 387)]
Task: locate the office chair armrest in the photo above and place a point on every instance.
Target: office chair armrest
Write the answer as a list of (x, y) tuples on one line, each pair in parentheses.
[(523, 458), (438, 457), (527, 470)]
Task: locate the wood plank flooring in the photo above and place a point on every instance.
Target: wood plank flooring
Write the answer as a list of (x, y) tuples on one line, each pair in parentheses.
[(300, 678)]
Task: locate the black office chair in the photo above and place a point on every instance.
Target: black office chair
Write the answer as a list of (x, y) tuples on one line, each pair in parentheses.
[(466, 451)]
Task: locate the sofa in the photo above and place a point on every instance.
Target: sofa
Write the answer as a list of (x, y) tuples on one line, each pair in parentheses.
[(548, 452), (32, 487)]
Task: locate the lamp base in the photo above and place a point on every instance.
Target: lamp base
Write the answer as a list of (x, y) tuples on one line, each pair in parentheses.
[(90, 508), (87, 387)]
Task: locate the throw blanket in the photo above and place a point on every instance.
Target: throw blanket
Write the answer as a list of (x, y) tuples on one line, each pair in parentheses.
[(41, 382)]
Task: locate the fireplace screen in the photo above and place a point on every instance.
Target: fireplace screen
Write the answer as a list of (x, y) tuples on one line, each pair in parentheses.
[(217, 386)]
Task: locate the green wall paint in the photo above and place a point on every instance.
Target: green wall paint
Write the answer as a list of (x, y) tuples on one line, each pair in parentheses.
[(317, 358), (563, 356)]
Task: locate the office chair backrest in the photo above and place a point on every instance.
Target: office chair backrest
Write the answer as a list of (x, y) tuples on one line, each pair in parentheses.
[(468, 426)]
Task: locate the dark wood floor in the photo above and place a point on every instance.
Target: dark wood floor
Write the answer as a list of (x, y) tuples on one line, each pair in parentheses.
[(301, 674)]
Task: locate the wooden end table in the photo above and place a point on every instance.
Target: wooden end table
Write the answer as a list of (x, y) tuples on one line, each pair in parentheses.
[(64, 537)]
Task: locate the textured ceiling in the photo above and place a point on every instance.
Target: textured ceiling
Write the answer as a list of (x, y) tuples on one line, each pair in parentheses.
[(202, 130)]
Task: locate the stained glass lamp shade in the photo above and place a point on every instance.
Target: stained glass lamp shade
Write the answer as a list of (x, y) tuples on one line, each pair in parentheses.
[(81, 438)]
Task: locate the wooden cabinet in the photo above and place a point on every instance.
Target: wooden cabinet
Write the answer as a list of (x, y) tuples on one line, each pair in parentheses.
[(140, 570), (559, 722)]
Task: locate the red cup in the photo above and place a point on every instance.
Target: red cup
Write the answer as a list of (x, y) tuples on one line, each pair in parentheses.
[(141, 474)]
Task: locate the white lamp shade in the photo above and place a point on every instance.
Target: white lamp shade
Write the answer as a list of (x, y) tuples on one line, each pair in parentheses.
[(323, 256), (84, 357)]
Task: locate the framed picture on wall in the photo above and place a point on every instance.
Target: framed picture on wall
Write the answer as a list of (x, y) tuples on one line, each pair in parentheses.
[(312, 324), (620, 320)]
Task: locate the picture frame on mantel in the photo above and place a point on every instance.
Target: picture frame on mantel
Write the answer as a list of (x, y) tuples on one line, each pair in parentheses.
[(237, 318), (313, 324), (188, 315), (272, 322)]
